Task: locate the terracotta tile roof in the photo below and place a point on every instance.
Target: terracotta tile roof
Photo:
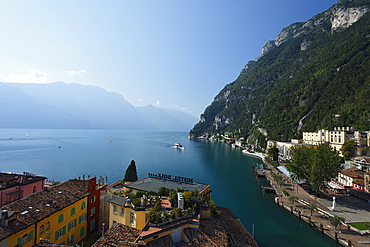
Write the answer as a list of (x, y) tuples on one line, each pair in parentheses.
[(42, 204), (224, 231), (352, 172), (8, 180), (119, 235), (164, 241)]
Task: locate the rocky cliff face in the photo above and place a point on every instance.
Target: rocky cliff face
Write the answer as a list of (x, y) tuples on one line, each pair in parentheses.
[(344, 17), (340, 18), (294, 53)]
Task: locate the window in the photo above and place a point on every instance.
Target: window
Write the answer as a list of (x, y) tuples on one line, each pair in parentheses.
[(47, 226), (41, 229), (114, 209), (83, 205), (71, 239), (132, 218), (82, 231), (73, 211), (92, 225), (93, 199), (82, 218), (60, 232), (34, 189), (26, 238), (122, 211), (72, 224), (93, 210), (60, 218)]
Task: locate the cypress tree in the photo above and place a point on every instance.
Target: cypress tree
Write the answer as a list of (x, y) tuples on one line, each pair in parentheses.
[(131, 173)]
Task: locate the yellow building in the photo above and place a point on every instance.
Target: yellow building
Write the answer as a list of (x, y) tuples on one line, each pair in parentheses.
[(56, 215), (226, 230), (123, 210)]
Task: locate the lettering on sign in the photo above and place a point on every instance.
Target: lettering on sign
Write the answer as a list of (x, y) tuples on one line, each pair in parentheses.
[(170, 177)]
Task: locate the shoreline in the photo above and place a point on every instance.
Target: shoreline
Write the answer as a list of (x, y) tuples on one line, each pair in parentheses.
[(319, 219), (261, 156), (344, 235)]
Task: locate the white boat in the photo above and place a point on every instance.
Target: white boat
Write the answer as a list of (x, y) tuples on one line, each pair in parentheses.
[(178, 146)]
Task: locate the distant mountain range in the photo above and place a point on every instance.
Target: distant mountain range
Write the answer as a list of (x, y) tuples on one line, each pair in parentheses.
[(73, 106), (315, 75)]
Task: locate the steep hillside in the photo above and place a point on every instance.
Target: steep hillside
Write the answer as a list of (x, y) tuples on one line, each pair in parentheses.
[(314, 75)]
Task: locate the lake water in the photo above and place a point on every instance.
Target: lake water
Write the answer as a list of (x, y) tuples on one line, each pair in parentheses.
[(65, 154)]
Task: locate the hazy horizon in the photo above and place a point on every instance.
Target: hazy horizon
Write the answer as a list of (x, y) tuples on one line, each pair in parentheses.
[(171, 54)]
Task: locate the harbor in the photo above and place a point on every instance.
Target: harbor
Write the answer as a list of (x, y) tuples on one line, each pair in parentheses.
[(352, 209)]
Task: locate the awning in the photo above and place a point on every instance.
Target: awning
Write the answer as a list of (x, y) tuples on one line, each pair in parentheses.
[(287, 173), (335, 186)]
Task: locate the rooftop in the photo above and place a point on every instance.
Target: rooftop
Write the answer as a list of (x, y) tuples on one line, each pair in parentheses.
[(119, 200), (8, 180), (153, 184), (353, 172), (42, 204), (119, 235), (224, 231)]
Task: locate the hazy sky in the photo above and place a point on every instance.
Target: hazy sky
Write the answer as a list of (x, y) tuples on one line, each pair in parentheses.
[(171, 54)]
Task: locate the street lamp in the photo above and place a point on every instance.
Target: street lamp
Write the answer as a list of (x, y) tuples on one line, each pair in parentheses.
[(102, 230)]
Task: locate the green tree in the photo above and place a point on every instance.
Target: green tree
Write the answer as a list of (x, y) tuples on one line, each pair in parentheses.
[(293, 199), (312, 207), (273, 153), (316, 165), (336, 220), (131, 173), (348, 149)]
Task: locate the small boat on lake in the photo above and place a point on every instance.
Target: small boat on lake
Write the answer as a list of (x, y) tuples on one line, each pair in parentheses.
[(178, 146)]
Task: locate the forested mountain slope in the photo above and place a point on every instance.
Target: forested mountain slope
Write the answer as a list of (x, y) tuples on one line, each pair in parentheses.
[(317, 72)]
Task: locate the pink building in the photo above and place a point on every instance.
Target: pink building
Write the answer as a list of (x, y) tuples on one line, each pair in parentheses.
[(16, 186)]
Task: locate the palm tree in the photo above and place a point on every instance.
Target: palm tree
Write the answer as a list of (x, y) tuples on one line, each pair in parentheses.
[(312, 207), (293, 199), (336, 220)]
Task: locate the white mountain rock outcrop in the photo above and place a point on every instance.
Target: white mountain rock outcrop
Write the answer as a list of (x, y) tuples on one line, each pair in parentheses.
[(345, 17)]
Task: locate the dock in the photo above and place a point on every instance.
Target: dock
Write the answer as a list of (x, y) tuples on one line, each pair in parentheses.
[(261, 173)]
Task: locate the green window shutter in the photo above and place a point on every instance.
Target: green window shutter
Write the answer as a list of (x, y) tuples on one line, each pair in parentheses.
[(79, 219), (64, 230), (60, 218), (75, 222), (69, 226), (73, 211), (82, 231), (72, 238), (56, 235), (31, 235), (19, 241)]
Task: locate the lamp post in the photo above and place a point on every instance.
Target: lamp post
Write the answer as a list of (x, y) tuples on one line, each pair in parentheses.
[(102, 229)]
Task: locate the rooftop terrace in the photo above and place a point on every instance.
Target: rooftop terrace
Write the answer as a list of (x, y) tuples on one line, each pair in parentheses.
[(153, 184)]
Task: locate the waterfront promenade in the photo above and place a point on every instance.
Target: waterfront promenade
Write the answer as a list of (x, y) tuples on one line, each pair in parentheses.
[(350, 208)]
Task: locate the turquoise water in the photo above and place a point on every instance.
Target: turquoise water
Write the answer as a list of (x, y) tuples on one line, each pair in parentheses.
[(65, 154)]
